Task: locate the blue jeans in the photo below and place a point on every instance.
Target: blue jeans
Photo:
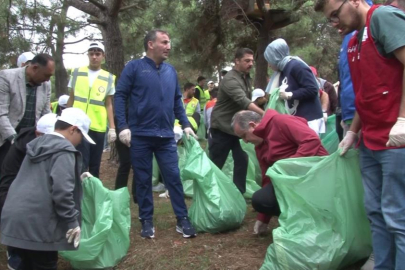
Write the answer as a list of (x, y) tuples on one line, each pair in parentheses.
[(165, 150), (383, 174)]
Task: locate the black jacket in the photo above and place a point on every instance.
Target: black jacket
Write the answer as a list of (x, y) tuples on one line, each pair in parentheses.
[(13, 160)]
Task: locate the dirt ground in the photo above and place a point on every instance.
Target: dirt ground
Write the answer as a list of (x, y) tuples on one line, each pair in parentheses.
[(238, 249)]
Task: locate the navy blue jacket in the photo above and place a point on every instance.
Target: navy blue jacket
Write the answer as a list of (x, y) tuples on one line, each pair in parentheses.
[(302, 83), (154, 99)]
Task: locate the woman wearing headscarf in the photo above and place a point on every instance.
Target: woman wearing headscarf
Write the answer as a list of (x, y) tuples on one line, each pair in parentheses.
[(300, 90)]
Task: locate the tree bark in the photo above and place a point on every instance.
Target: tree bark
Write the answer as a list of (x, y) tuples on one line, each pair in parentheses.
[(106, 17), (61, 76)]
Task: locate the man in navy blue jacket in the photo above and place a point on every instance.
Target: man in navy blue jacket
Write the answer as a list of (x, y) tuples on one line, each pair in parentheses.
[(154, 95)]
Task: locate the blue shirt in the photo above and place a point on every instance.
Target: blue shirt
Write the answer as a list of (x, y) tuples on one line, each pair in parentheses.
[(154, 99)]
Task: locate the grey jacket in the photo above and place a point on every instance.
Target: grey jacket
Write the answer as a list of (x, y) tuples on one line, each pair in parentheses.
[(13, 99), (234, 95), (43, 202)]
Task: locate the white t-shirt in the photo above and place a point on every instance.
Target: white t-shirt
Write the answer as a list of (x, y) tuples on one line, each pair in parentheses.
[(93, 74)]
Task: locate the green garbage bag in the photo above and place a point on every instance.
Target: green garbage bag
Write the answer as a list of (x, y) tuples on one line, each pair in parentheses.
[(276, 103), (202, 131), (249, 148), (251, 185), (155, 172), (106, 222), (330, 139), (217, 204), (323, 224), (187, 183)]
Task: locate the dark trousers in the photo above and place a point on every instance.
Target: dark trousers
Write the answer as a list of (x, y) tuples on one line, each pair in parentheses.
[(37, 260), (339, 129), (165, 150), (124, 156), (92, 152), (220, 145), (3, 151), (265, 201)]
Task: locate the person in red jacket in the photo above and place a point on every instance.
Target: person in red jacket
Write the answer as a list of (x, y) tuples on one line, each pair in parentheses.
[(275, 136)]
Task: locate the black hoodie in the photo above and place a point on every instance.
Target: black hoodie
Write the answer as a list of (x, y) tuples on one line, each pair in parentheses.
[(13, 160)]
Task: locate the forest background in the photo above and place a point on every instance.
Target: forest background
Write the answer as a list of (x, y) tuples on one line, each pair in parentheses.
[(204, 33)]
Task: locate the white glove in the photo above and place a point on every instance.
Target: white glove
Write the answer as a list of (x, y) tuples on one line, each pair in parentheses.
[(178, 133), (325, 117), (85, 175), (125, 137), (347, 142), (260, 227), (164, 195), (73, 235), (112, 136), (397, 133), (286, 95), (189, 131)]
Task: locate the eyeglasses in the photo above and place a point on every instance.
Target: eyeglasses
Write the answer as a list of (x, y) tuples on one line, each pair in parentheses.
[(334, 16)]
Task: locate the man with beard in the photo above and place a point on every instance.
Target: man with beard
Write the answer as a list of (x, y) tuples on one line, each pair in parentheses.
[(234, 94), (376, 55)]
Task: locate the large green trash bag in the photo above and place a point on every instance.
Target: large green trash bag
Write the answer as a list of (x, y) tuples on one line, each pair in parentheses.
[(217, 204), (106, 222), (249, 148), (251, 185), (330, 139), (202, 131), (323, 224), (155, 172), (276, 103), (187, 183)]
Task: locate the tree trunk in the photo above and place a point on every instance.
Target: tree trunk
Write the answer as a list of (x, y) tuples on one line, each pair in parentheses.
[(114, 54), (61, 77), (261, 63)]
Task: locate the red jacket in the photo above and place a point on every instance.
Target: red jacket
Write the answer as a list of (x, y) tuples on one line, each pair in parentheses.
[(284, 136)]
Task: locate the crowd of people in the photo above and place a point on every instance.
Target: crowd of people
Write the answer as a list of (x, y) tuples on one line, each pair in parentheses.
[(44, 158)]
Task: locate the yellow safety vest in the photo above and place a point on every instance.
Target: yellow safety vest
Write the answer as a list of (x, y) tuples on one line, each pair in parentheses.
[(92, 100), (190, 108), (54, 106), (203, 97), (207, 97)]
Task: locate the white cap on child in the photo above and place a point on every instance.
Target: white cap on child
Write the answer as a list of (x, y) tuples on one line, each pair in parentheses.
[(63, 100), (78, 118), (46, 124)]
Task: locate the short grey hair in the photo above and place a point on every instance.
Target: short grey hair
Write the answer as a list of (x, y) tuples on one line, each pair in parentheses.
[(151, 36), (243, 118)]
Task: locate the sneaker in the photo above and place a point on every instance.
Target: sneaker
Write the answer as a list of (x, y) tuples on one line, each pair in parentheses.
[(148, 231), (184, 227), (369, 265), (13, 261)]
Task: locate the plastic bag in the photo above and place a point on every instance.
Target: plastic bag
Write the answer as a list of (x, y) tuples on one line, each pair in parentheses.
[(217, 204), (330, 139), (251, 185), (323, 224), (187, 183), (106, 222), (276, 103), (202, 131), (249, 148)]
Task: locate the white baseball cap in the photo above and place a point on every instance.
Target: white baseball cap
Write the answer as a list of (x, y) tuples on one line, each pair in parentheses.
[(78, 118), (210, 82), (63, 100), (257, 93), (46, 124), (96, 45), (24, 57)]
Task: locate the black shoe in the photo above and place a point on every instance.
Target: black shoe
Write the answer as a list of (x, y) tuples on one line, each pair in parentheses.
[(184, 227), (148, 231)]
